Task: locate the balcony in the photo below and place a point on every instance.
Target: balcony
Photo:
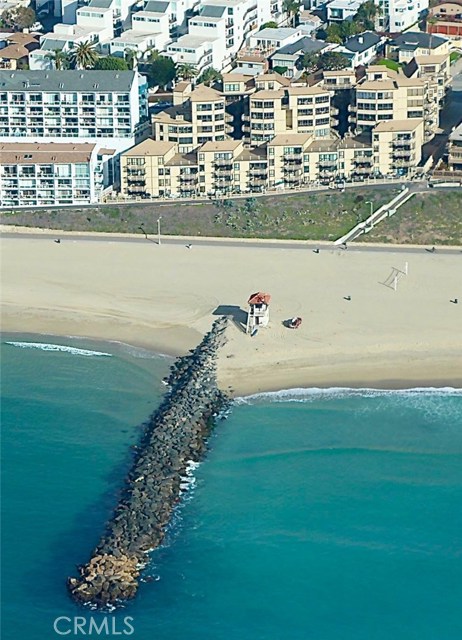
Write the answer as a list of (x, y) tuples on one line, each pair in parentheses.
[(136, 182), (293, 157), (290, 179), (402, 153), (223, 162), (188, 177), (258, 171), (361, 171), (293, 160), (362, 161), (327, 164), (292, 171), (402, 142)]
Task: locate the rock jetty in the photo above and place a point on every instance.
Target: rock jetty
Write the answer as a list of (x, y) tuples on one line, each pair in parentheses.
[(175, 435)]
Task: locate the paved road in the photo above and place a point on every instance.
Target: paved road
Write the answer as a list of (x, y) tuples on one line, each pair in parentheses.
[(202, 242)]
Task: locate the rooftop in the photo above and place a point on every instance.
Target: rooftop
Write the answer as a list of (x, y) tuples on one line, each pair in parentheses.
[(149, 147), (183, 159), (101, 4), (283, 139), (212, 11), (222, 145), (301, 46), (156, 6), (362, 41), (274, 34), (67, 80), (14, 52), (202, 92), (32, 153), (398, 125), (414, 39)]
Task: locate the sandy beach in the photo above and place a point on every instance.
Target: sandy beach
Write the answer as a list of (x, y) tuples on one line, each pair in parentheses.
[(166, 297)]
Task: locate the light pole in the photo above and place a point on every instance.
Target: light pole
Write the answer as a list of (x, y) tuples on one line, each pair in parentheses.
[(158, 229)]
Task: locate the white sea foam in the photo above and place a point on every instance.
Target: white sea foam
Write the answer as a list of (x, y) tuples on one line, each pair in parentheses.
[(316, 393), (44, 346)]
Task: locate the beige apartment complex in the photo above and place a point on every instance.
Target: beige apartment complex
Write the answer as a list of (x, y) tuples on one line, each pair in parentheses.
[(157, 169), (286, 137), (387, 95), (398, 144)]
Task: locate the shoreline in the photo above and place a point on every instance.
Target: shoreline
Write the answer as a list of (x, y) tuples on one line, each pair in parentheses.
[(401, 384), (165, 298)]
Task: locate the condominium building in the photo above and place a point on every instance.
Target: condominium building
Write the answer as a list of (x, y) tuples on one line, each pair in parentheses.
[(157, 169), (197, 117), (398, 145), (289, 109), (108, 108), (51, 174), (387, 95)]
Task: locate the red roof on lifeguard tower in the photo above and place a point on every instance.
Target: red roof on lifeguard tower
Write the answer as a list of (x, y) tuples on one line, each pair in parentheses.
[(259, 298)]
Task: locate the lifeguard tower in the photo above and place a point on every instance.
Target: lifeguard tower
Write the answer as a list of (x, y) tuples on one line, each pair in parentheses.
[(258, 314)]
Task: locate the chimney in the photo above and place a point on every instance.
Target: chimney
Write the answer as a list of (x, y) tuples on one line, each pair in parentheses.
[(361, 39)]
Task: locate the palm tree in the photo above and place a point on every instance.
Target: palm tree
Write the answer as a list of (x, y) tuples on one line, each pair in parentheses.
[(186, 71), (151, 56), (131, 58), (431, 21), (210, 76), (59, 58), (291, 7), (84, 56)]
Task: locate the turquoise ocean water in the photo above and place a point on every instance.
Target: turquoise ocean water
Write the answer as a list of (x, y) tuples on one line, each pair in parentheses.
[(330, 515)]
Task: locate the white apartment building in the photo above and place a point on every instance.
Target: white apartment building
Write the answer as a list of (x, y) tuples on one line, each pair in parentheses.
[(361, 48), (107, 108), (150, 30), (68, 9), (398, 15), (65, 37), (193, 50), (268, 40), (51, 174), (340, 10)]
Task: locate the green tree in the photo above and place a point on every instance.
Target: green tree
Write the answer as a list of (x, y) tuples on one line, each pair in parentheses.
[(110, 63), (332, 61), (19, 18), (161, 71), (334, 33), (186, 72), (366, 15), (269, 25), (210, 76), (309, 61), (291, 7), (84, 56), (60, 59), (131, 58)]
